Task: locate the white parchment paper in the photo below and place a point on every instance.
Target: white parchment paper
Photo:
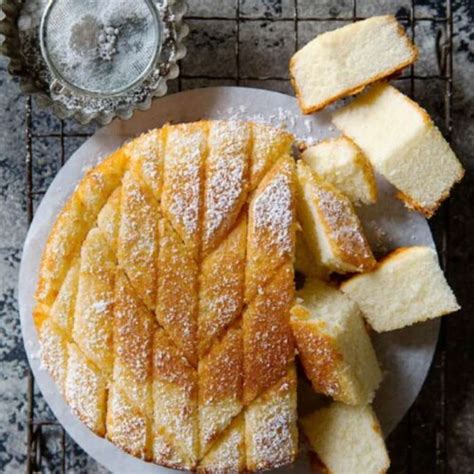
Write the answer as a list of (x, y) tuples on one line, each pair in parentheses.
[(405, 355)]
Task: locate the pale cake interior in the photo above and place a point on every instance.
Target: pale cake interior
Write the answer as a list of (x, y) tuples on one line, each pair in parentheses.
[(333, 344), (403, 144), (351, 57), (342, 163), (407, 287), (347, 439), (330, 224)]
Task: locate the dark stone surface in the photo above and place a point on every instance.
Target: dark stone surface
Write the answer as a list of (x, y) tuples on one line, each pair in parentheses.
[(437, 435)]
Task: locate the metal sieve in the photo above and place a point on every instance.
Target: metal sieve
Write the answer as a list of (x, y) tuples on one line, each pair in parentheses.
[(94, 59), (100, 47)]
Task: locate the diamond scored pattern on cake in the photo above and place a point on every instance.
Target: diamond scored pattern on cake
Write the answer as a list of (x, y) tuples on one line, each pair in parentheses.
[(164, 296)]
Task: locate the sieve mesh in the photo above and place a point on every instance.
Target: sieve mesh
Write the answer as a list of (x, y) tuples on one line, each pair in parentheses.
[(98, 46)]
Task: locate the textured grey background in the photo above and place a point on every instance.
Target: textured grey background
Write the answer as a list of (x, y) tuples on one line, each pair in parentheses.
[(437, 435)]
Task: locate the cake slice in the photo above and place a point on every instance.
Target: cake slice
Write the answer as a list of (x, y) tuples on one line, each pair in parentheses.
[(269, 144), (268, 341), (53, 325), (228, 453), (406, 287), (403, 144), (54, 348), (221, 287), (330, 225), (342, 62), (333, 344), (138, 240), (73, 224), (92, 330), (271, 433), (175, 406), (129, 405), (178, 275), (146, 160), (220, 387), (225, 180), (341, 162), (346, 439), (183, 179), (271, 226)]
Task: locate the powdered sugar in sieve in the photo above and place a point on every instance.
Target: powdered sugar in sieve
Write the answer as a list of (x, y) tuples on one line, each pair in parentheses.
[(100, 47)]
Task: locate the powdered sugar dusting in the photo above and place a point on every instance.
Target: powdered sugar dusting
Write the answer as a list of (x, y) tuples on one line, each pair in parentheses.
[(272, 442), (165, 452), (273, 214), (183, 169), (176, 308), (227, 454), (281, 118), (101, 306), (343, 222), (147, 155), (129, 378), (224, 190), (133, 332), (138, 238), (53, 353), (225, 181), (186, 204), (128, 424), (175, 413), (85, 390)]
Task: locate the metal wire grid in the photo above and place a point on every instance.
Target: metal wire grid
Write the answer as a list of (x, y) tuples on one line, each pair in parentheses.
[(444, 42)]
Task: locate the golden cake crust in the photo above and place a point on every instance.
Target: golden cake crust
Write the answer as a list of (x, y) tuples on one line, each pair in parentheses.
[(164, 297)]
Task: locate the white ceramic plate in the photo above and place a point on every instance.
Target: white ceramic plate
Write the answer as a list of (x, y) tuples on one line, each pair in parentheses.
[(405, 355)]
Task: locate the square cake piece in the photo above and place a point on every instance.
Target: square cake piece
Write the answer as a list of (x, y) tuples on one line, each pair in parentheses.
[(406, 287), (342, 62), (341, 162), (346, 440), (403, 144), (333, 344)]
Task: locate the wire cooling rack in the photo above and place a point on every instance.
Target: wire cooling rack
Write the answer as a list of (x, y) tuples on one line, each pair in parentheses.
[(39, 429)]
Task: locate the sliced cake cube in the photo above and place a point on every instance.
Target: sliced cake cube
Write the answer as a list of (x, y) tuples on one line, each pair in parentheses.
[(331, 227), (342, 62), (403, 144), (341, 162), (333, 344), (346, 440), (407, 287)]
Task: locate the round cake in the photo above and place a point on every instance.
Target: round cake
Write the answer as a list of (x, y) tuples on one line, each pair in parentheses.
[(164, 297)]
